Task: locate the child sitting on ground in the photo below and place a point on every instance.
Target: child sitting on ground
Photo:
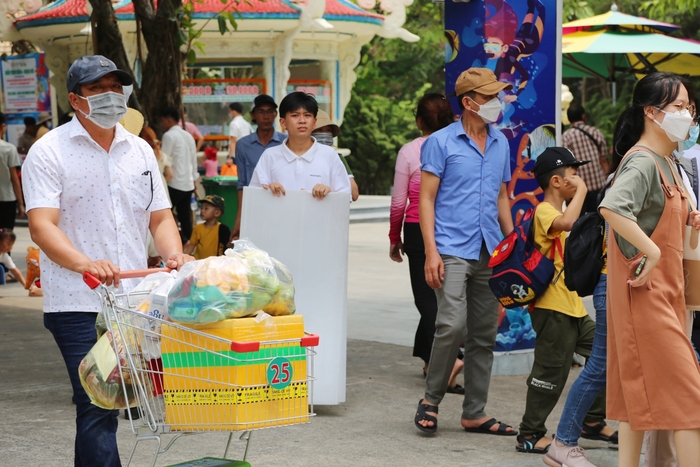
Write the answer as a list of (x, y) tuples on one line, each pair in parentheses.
[(211, 164), (229, 169), (210, 237), (559, 317), (300, 163), (7, 241)]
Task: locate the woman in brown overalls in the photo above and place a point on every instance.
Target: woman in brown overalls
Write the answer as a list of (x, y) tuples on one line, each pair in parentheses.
[(653, 374)]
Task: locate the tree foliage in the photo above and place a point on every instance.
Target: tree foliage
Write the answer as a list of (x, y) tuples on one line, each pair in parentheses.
[(391, 77), (171, 36)]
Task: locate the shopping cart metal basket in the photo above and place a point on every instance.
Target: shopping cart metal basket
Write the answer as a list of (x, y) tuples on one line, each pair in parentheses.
[(185, 380)]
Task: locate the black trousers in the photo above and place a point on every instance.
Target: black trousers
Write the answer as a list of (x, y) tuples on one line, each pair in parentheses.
[(183, 211), (8, 214), (423, 296)]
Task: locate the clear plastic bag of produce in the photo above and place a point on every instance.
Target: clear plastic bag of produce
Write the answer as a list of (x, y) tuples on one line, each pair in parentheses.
[(240, 283), (100, 376)]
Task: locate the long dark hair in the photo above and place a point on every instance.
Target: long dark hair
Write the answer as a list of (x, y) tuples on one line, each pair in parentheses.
[(434, 111), (656, 90)]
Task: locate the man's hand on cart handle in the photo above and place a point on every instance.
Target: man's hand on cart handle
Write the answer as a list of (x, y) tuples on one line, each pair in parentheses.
[(106, 271), (177, 260)]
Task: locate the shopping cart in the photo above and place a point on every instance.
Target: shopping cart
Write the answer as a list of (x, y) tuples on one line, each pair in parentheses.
[(184, 381)]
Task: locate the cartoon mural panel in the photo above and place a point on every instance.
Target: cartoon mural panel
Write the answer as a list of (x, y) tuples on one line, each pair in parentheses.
[(517, 40)]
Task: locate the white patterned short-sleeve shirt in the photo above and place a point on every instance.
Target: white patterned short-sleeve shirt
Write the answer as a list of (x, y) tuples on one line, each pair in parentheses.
[(105, 201)]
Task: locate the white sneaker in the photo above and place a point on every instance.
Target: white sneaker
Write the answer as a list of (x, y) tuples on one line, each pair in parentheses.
[(561, 455)]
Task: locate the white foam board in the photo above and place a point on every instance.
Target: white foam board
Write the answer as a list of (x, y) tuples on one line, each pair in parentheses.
[(310, 237)]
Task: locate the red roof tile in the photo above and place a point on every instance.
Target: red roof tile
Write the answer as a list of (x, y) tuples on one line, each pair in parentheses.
[(64, 10)]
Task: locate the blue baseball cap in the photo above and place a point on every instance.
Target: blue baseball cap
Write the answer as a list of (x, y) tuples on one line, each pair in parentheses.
[(91, 68)]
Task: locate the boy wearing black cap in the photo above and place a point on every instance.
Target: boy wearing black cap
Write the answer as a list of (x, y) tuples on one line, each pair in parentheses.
[(559, 317), (211, 236)]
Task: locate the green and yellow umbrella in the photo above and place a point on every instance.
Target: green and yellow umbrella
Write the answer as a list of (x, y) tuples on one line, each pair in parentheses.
[(615, 44)]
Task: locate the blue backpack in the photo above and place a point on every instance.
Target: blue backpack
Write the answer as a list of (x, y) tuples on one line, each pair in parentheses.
[(521, 274)]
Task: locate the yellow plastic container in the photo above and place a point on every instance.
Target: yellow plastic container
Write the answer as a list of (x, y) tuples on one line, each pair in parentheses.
[(209, 387)]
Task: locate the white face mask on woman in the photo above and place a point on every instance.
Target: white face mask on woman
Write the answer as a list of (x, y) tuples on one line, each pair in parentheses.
[(676, 124), (489, 111), (106, 109)]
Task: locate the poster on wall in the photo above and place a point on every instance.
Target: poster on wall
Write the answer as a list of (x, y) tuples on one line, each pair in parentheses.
[(519, 40), (221, 90), (25, 83), (207, 101), (321, 90)]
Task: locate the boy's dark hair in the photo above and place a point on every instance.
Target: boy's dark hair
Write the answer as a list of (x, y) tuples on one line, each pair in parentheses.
[(171, 112), (236, 106), (7, 233), (298, 100), (2, 119), (575, 112), (29, 121), (543, 179)]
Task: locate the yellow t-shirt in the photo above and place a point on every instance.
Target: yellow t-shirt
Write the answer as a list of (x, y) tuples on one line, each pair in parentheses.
[(557, 297), (205, 241)]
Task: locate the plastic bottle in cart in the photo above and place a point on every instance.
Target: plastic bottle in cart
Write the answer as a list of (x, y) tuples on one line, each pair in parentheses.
[(193, 202)]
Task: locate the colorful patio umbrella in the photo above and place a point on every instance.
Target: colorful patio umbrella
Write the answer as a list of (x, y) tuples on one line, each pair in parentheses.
[(615, 18), (610, 54), (614, 44)]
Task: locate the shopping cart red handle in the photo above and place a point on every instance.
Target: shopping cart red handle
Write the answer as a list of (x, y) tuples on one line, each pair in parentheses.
[(93, 281), (309, 340)]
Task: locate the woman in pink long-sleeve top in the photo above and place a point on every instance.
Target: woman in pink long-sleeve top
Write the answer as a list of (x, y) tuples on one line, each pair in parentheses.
[(432, 113)]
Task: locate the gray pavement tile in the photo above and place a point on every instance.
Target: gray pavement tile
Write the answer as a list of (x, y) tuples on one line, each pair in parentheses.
[(374, 427)]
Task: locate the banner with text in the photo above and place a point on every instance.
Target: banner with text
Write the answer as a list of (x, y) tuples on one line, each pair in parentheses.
[(25, 83)]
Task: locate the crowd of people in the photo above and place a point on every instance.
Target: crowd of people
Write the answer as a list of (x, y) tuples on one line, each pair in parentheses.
[(102, 197), (97, 214), (449, 198)]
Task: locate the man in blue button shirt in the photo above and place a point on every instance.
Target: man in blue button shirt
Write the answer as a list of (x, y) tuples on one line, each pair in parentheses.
[(250, 148), (464, 208)]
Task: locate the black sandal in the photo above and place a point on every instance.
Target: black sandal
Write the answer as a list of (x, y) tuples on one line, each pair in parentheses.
[(421, 414), (527, 445), (593, 432), (485, 428), (456, 389)]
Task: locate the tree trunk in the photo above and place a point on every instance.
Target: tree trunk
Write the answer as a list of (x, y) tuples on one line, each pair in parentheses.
[(107, 39), (162, 71)]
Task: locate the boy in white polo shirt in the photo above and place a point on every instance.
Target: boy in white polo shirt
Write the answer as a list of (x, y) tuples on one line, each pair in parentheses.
[(300, 163)]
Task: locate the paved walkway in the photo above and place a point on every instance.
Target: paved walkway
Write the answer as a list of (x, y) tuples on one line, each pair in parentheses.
[(373, 428)]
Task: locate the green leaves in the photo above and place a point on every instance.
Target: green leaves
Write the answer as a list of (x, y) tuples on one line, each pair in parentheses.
[(222, 25), (190, 30), (576, 9), (662, 9), (391, 77)]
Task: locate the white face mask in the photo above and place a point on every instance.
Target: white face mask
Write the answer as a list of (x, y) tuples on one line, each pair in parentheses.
[(324, 138), (676, 124), (489, 111), (106, 109)]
